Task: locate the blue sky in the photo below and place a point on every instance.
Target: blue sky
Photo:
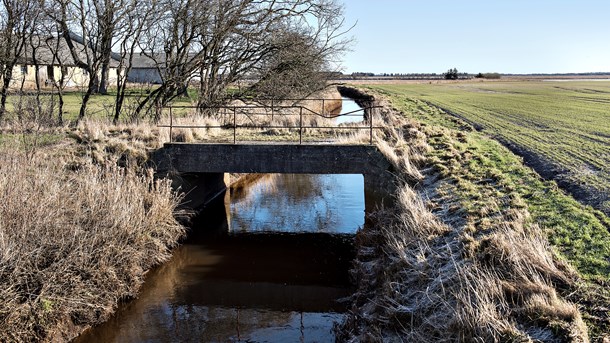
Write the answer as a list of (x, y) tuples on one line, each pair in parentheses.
[(507, 36)]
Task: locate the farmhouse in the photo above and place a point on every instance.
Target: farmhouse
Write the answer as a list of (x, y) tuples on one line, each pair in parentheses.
[(150, 68), (46, 59), (146, 69)]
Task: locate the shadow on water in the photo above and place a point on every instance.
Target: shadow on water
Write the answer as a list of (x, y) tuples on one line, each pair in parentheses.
[(229, 283)]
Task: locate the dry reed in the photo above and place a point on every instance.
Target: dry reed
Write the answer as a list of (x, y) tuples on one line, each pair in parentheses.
[(422, 278), (74, 240)]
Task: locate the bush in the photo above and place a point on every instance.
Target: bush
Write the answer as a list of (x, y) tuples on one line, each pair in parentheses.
[(488, 76), (452, 74)]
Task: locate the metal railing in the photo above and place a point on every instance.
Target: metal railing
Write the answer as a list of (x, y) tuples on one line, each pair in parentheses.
[(250, 111)]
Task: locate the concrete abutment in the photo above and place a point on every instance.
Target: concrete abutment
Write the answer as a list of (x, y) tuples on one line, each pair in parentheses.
[(201, 170)]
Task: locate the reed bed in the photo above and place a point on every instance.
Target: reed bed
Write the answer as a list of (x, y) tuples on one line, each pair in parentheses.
[(75, 239)]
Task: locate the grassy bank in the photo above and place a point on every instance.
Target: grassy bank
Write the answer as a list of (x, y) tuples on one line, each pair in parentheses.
[(77, 231), (493, 253), (560, 128)]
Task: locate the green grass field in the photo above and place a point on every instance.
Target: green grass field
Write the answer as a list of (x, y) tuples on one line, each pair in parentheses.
[(564, 127), (99, 106)]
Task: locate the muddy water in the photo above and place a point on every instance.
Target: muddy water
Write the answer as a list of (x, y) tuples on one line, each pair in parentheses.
[(266, 265)]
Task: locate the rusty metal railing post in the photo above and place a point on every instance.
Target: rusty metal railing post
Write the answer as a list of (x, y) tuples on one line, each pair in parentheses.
[(300, 124), (171, 125), (272, 109), (234, 125), (371, 126)]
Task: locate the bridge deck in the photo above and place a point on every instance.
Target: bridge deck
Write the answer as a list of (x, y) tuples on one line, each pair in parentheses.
[(271, 158)]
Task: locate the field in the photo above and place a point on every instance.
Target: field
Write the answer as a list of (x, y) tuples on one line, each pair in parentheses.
[(99, 106), (562, 129), (462, 260)]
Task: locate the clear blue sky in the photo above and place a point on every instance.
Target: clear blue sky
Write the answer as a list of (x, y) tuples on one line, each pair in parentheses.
[(507, 36)]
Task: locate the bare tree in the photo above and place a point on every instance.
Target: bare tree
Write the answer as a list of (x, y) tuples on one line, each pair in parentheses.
[(55, 47), (92, 24), (222, 42), (138, 15), (16, 22), (109, 14), (303, 55), (172, 43), (265, 43), (74, 20)]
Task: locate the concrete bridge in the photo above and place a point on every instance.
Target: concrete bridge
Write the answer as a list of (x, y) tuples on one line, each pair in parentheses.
[(201, 169)]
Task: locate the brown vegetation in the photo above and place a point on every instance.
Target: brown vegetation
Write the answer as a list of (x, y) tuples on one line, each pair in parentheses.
[(80, 221), (75, 238), (427, 273)]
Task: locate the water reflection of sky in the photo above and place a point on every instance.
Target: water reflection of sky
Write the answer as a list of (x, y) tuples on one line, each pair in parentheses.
[(302, 203), (348, 106)]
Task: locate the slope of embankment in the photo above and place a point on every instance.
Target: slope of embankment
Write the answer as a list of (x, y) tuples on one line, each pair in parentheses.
[(477, 247)]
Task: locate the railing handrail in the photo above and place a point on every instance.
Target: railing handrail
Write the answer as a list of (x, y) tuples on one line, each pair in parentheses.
[(321, 114), (300, 109)]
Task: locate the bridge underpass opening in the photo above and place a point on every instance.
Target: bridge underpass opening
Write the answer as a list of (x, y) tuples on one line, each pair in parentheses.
[(330, 203)]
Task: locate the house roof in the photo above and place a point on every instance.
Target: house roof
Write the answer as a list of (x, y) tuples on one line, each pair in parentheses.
[(158, 59), (142, 61), (52, 50)]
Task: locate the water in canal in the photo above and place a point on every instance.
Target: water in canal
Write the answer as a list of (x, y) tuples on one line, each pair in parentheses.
[(351, 112), (268, 264)]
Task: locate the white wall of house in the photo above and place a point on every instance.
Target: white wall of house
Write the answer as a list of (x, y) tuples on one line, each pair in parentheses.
[(75, 77)]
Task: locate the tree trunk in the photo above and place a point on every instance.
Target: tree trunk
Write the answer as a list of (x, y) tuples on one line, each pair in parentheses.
[(93, 86), (103, 88), (60, 113), (5, 84), (153, 94)]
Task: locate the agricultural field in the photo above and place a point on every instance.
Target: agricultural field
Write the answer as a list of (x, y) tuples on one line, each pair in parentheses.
[(561, 129)]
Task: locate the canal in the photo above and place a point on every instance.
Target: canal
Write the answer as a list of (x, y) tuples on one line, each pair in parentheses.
[(266, 263)]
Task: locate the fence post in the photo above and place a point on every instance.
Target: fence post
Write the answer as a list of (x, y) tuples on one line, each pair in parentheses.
[(234, 125), (371, 126), (300, 124)]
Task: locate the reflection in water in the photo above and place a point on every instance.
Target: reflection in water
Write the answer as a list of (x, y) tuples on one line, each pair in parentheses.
[(349, 106), (245, 288), (301, 203), (251, 286)]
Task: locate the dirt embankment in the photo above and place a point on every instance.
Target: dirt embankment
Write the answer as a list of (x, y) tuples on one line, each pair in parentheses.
[(430, 270)]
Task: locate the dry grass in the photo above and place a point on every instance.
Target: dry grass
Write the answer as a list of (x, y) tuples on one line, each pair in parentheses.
[(75, 238), (424, 276)]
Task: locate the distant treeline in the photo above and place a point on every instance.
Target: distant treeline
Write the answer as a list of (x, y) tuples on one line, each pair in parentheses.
[(488, 76), (461, 76), (399, 76)]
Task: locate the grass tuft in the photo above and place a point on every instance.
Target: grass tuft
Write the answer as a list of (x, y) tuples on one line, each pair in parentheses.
[(441, 266)]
